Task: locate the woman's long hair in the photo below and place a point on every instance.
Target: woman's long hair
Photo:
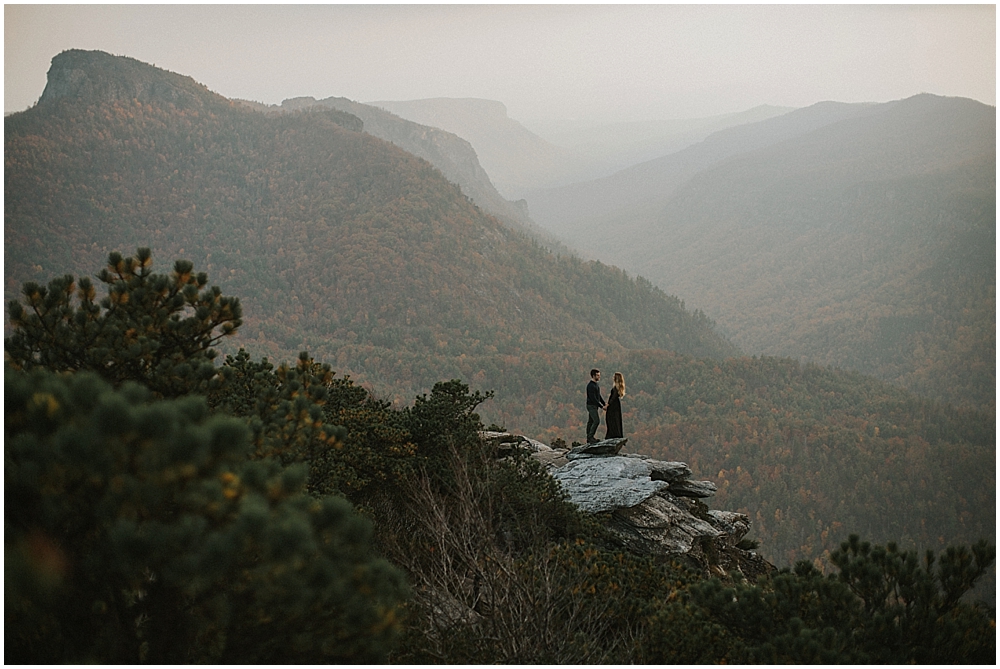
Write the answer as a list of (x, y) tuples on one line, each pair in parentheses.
[(619, 382)]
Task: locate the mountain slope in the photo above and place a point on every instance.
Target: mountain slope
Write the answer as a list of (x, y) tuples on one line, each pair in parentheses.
[(448, 152), (451, 154), (521, 162), (865, 243)]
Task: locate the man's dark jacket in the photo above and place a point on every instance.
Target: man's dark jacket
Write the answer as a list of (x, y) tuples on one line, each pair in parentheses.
[(594, 394)]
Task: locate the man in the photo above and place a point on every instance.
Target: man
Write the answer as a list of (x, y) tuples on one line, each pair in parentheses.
[(594, 404)]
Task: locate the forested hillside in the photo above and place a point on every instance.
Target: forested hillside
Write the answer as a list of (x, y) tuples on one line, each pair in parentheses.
[(451, 154), (859, 237), (343, 245)]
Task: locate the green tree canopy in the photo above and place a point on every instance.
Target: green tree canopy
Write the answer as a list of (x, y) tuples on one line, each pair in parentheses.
[(156, 329), (883, 607), (137, 530)]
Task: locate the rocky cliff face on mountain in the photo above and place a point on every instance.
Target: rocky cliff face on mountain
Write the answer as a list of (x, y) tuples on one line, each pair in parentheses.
[(652, 506), (517, 160), (453, 156), (99, 76), (448, 152)]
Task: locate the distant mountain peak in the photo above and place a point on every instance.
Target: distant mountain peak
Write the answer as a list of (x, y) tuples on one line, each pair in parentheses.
[(478, 107), (99, 76)]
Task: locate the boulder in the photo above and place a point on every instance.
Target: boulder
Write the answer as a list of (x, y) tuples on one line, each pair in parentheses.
[(600, 448), (493, 436), (598, 484), (668, 471), (506, 443), (663, 471), (660, 526), (693, 488), (536, 446), (653, 507), (553, 458)]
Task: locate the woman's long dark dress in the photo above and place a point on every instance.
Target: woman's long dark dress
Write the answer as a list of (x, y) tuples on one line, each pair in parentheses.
[(614, 416)]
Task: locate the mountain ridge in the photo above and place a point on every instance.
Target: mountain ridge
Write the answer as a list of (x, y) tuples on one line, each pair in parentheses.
[(612, 147), (626, 192), (451, 154)]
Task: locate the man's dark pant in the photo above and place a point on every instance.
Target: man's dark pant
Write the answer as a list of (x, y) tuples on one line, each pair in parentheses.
[(593, 421)]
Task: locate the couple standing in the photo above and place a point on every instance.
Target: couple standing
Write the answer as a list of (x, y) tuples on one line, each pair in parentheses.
[(613, 407)]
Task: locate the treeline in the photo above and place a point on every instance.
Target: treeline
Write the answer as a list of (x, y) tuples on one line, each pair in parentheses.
[(160, 508)]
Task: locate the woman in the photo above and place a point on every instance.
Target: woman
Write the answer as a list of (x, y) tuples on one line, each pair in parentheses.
[(614, 409)]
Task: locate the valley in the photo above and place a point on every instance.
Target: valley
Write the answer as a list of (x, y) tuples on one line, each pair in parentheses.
[(860, 237)]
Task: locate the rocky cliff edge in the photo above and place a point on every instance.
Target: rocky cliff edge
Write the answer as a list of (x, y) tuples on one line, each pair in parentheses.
[(653, 507)]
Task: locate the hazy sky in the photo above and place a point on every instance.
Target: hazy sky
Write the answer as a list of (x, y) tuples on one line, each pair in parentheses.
[(601, 62)]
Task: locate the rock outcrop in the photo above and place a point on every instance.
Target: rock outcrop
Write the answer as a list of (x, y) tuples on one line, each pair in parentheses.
[(517, 160), (99, 76), (652, 506)]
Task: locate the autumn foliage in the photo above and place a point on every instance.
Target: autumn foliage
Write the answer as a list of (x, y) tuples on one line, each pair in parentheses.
[(219, 527)]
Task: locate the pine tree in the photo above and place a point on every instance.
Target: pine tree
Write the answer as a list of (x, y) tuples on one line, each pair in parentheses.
[(913, 609), (137, 530), (156, 329), (882, 607)]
